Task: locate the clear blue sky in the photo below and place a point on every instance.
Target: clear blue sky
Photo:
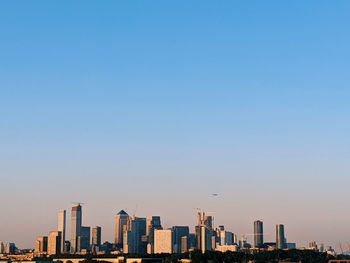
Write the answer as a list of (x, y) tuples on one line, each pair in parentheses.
[(160, 103)]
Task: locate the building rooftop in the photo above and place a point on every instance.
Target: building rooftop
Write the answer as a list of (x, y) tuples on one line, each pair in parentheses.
[(122, 212)]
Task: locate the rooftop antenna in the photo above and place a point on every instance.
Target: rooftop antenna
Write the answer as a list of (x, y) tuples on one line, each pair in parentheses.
[(134, 214)]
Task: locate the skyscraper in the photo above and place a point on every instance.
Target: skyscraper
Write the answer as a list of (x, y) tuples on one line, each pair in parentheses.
[(2, 248), (10, 248), (205, 239), (136, 239), (204, 232), (75, 227), (192, 241), (62, 228), (220, 235), (163, 241), (121, 224), (229, 238), (84, 238), (54, 243), (96, 236), (40, 245), (204, 220), (258, 234), (280, 238), (153, 223), (185, 244), (178, 233)]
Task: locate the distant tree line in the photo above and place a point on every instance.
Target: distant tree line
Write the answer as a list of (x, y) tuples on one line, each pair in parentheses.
[(275, 256)]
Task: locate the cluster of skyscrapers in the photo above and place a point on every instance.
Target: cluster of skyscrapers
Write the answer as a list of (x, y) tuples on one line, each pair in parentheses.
[(141, 235), (9, 248), (56, 243)]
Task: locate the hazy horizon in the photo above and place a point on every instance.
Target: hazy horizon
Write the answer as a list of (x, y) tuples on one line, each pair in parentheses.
[(159, 104)]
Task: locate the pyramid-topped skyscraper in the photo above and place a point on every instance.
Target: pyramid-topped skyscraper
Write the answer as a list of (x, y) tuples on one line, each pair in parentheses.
[(121, 225)]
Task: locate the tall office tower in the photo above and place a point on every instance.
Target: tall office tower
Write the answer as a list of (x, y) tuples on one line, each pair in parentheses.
[(184, 244), (200, 218), (75, 227), (40, 245), (136, 239), (62, 228), (126, 241), (192, 241), (204, 232), (204, 220), (213, 240), (121, 224), (96, 236), (258, 234), (235, 239), (205, 239), (54, 243), (2, 248), (243, 242), (10, 248), (229, 238), (84, 238), (280, 238), (178, 233), (197, 230), (221, 236), (152, 223), (163, 241)]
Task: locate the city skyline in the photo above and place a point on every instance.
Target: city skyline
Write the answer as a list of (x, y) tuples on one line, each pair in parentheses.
[(177, 239), (256, 238), (152, 107)]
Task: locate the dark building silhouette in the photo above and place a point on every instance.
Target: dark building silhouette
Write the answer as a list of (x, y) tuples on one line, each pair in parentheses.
[(258, 234)]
